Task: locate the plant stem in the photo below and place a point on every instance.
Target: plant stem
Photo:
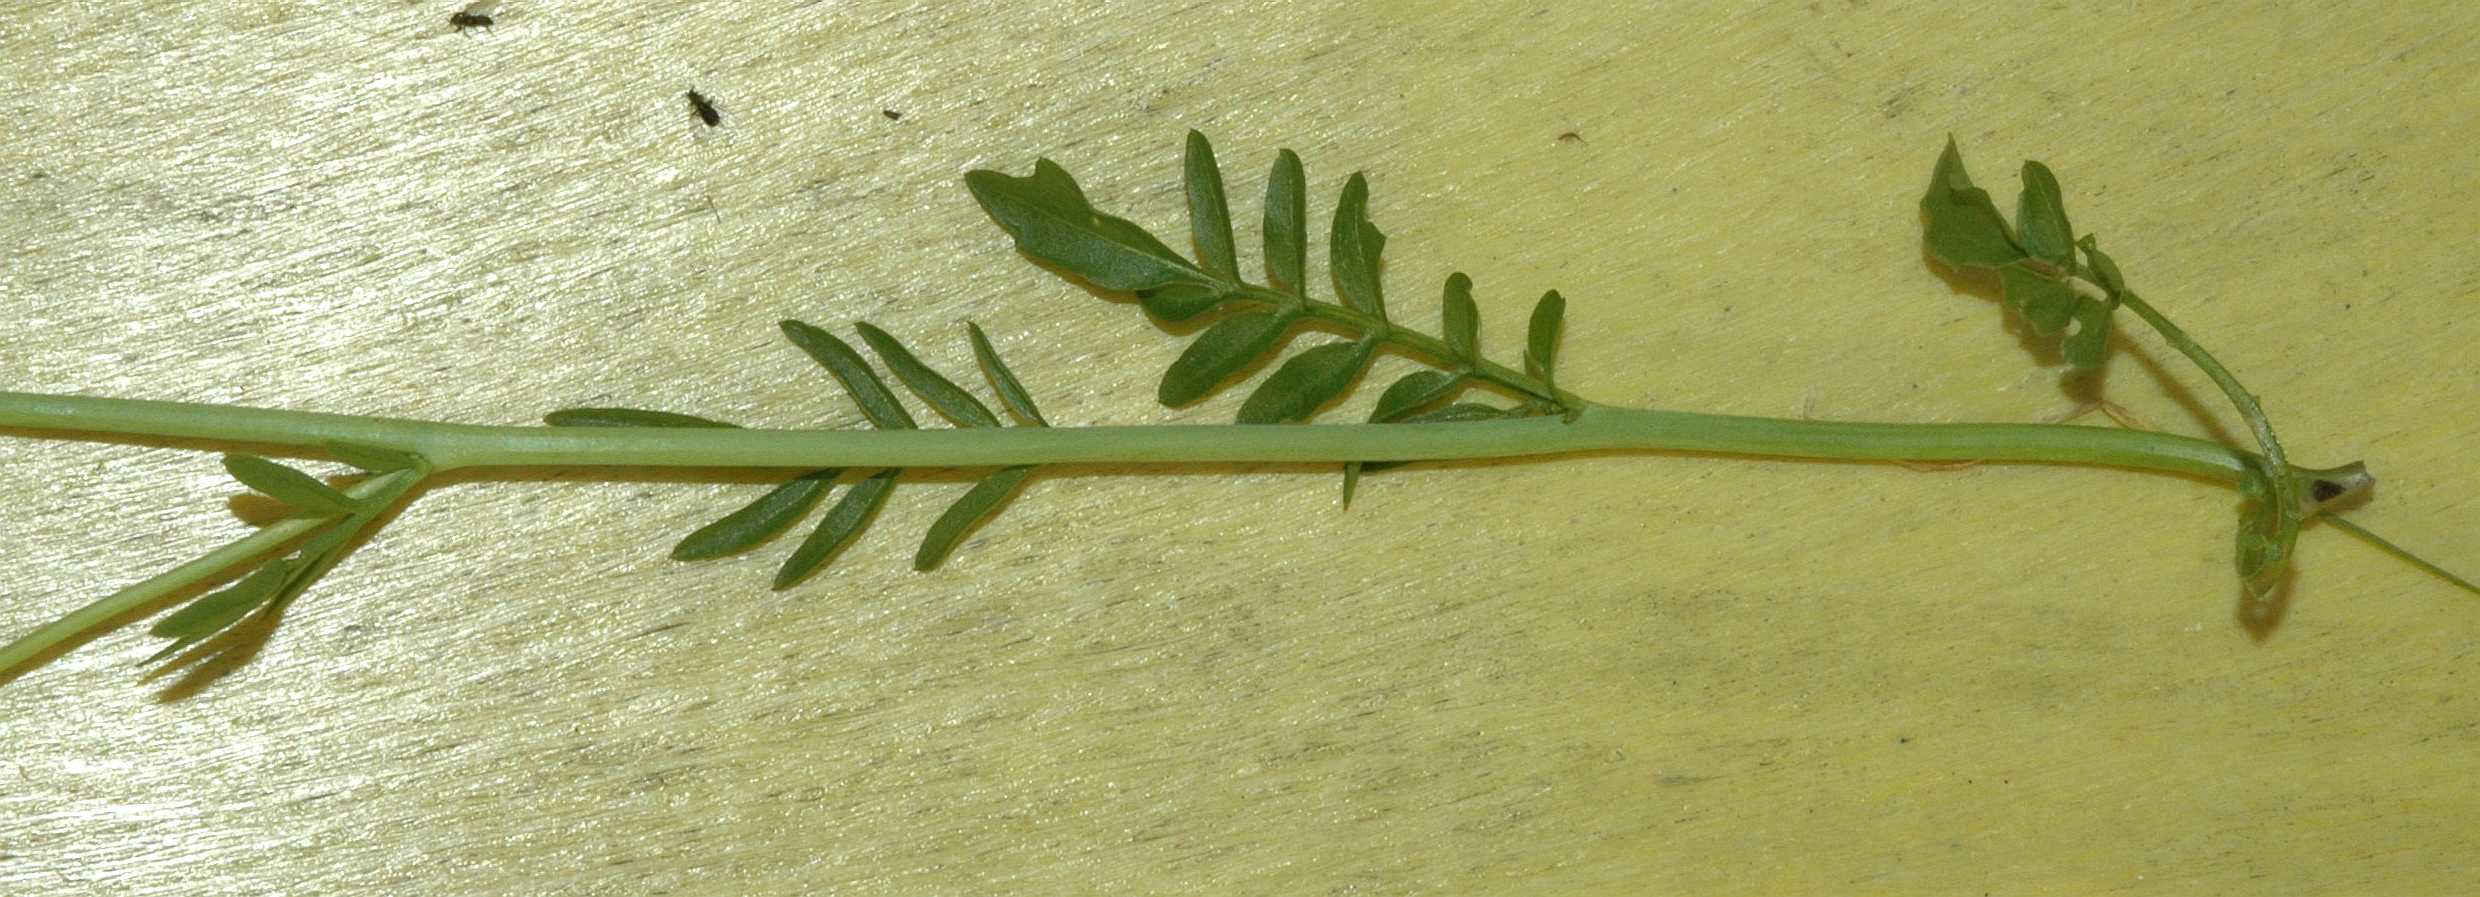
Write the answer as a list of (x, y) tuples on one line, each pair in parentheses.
[(2239, 396), (2286, 495), (1597, 427)]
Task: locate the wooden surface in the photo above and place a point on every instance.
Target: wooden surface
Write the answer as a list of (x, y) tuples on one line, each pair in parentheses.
[(1622, 675)]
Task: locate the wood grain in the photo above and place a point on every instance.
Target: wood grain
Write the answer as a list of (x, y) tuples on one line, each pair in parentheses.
[(1618, 675)]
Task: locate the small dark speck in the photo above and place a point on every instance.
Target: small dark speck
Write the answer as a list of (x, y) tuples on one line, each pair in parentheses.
[(891, 114), (1903, 739), (1571, 137), (705, 109), (475, 15), (2325, 490)]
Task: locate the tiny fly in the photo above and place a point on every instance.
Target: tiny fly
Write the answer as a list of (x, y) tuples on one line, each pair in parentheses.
[(705, 109), (475, 15)]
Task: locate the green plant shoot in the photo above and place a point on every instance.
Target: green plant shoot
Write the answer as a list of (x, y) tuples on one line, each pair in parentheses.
[(1463, 404)]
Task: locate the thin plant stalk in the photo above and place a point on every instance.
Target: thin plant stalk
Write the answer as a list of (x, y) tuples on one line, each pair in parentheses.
[(1596, 428)]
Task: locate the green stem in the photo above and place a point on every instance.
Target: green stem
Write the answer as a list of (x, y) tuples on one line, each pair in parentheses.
[(445, 446), (1598, 427), (2285, 498)]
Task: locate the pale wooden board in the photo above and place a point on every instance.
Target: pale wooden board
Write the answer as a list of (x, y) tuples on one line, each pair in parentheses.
[(1611, 675)]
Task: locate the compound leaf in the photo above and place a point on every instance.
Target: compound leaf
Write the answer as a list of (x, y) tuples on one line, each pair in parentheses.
[(2034, 259)]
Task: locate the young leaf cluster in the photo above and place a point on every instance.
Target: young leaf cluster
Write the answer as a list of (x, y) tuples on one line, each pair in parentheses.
[(775, 512), (2036, 259), (273, 583), (2039, 262)]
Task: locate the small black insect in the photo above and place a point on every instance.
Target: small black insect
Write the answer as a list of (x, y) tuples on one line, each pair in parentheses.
[(891, 114), (705, 109), (474, 15)]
